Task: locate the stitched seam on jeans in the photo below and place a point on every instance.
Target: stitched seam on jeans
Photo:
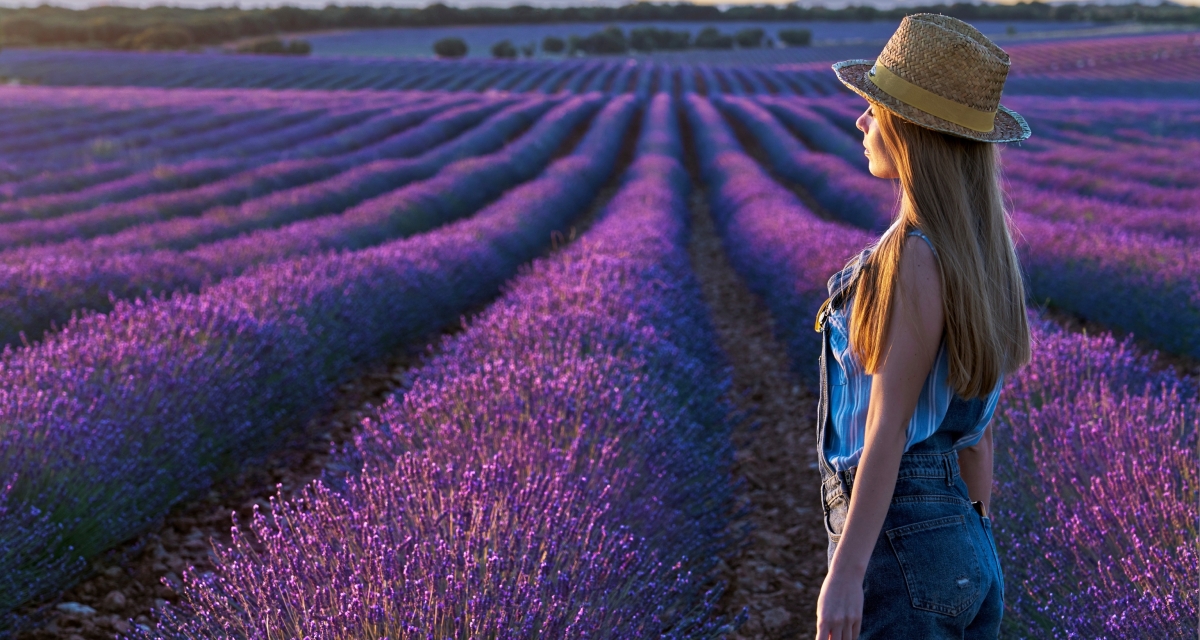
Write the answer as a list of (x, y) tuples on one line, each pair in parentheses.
[(917, 499), (936, 523)]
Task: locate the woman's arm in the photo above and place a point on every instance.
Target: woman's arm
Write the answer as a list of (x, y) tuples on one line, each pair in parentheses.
[(975, 466), (913, 336)]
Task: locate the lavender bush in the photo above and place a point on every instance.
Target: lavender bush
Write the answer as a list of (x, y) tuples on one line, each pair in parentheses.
[(1053, 205), (46, 202), (65, 282), (838, 185), (810, 126), (1089, 182), (115, 418), (266, 180), (1096, 494), (354, 177), (1150, 285), (1154, 165), (157, 179), (585, 494)]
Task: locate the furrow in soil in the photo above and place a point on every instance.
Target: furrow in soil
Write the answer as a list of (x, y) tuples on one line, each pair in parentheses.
[(777, 575), (129, 582)]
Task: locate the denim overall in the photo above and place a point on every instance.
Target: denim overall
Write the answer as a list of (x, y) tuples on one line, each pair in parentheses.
[(935, 572)]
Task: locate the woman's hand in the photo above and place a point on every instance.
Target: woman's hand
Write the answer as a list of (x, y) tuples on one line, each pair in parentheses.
[(840, 607)]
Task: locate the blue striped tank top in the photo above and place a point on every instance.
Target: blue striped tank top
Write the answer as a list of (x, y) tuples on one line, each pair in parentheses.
[(938, 408)]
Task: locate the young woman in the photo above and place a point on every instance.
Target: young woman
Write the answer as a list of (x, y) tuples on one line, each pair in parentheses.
[(919, 331)]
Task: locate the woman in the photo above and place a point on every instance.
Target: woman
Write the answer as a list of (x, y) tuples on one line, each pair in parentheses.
[(919, 332)]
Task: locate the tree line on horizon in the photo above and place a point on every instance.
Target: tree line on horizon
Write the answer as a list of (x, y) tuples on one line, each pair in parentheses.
[(115, 27), (613, 40)]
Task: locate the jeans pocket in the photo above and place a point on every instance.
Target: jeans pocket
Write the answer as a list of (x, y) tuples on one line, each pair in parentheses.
[(835, 505), (835, 520), (940, 564)]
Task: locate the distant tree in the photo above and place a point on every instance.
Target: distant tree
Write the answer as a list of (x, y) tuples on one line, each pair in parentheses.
[(608, 41), (269, 46), (654, 39), (23, 31), (125, 27), (450, 48), (749, 38), (295, 19), (710, 38), (157, 38), (275, 46), (551, 44), (504, 49), (643, 39), (105, 30), (795, 37), (298, 47), (529, 49)]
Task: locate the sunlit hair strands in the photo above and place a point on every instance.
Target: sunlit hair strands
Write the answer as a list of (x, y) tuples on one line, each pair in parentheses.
[(951, 191)]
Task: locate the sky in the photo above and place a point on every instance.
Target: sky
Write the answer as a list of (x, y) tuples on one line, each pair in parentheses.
[(80, 4)]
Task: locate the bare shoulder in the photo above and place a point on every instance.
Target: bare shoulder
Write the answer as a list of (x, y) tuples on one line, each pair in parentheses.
[(918, 264)]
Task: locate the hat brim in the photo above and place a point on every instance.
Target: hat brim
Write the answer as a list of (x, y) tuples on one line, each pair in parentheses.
[(1009, 125)]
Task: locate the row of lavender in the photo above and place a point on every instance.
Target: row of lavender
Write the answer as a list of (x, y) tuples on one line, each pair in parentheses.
[(113, 419), (197, 71), (357, 208), (736, 75), (116, 143), (191, 187), (585, 493), (1075, 230), (71, 140), (65, 150), (1083, 553)]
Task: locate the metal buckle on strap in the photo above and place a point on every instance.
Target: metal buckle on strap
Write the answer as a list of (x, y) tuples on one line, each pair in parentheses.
[(822, 314)]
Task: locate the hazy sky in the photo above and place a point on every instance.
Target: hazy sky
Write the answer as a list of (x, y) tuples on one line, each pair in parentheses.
[(79, 4)]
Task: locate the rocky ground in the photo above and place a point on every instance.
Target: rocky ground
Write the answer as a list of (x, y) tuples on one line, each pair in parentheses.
[(778, 575), (130, 581)]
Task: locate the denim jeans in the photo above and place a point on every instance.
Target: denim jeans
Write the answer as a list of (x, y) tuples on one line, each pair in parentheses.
[(935, 572)]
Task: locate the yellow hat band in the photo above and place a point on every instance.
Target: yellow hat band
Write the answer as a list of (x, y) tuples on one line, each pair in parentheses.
[(929, 102)]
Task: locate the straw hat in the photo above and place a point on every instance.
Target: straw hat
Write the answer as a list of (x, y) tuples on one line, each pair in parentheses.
[(941, 73)]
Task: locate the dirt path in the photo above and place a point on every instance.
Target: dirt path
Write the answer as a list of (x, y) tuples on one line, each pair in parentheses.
[(778, 574), (128, 582)]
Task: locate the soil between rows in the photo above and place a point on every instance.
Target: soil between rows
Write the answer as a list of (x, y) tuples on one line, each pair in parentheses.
[(132, 580), (778, 574)]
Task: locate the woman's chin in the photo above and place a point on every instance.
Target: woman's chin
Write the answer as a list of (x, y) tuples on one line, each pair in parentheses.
[(887, 173)]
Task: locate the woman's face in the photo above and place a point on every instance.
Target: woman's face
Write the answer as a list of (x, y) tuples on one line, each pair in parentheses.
[(881, 164)]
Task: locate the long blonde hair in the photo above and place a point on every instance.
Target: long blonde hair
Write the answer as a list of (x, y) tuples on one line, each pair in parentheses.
[(950, 189)]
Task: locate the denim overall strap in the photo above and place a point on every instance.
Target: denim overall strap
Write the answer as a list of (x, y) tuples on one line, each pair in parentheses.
[(839, 287), (824, 416)]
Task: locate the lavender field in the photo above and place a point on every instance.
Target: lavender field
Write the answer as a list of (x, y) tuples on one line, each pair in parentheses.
[(197, 252)]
